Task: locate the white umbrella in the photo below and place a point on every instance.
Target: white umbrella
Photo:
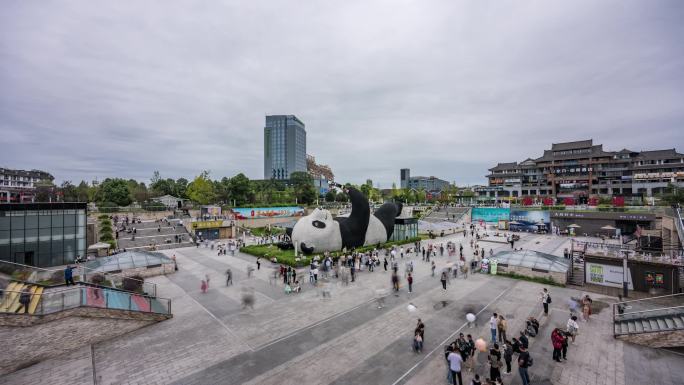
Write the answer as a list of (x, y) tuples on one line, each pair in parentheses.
[(607, 227), (574, 226)]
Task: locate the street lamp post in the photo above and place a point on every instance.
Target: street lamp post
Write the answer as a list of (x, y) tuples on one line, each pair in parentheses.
[(624, 274)]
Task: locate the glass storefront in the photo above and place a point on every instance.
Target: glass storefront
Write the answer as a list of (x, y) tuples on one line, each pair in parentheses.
[(42, 234), (404, 228)]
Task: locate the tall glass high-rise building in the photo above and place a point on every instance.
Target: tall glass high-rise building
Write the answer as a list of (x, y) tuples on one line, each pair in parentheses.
[(284, 146)]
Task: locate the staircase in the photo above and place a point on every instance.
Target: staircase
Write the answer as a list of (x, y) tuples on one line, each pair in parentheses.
[(576, 272), (12, 293), (162, 235), (654, 322)]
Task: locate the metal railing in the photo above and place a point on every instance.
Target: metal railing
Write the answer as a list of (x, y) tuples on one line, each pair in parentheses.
[(60, 300), (672, 304), (680, 227), (55, 277)]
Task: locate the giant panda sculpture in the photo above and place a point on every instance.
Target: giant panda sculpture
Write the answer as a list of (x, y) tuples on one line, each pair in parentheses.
[(319, 231)]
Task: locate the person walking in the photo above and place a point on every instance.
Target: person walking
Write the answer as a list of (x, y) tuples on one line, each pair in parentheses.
[(203, 287), (229, 277), (524, 362), (572, 328), (433, 267), (395, 283), (508, 356), (258, 263), (444, 280), (545, 300), (492, 326), (206, 277), (384, 263), (586, 307), (409, 279), (501, 326), (25, 299), (455, 361)]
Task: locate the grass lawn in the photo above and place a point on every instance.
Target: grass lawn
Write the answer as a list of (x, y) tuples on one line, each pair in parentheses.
[(287, 257)]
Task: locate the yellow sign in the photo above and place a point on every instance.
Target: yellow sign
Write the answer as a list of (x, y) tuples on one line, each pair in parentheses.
[(207, 224)]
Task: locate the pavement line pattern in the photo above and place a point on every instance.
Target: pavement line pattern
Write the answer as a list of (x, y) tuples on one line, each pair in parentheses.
[(448, 338), (221, 323), (313, 325)]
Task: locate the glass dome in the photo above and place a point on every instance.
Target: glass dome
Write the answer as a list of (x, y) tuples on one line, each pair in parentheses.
[(533, 260), (128, 260)]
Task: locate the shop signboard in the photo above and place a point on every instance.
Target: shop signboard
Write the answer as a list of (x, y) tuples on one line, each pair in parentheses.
[(267, 212), (207, 224), (528, 219), (606, 275), (490, 214)]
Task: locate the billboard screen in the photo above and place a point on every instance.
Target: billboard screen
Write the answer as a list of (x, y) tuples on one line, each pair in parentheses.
[(267, 212), (490, 214), (528, 219)]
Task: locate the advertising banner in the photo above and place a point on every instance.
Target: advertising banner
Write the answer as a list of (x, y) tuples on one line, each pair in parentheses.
[(210, 210), (528, 220), (490, 214), (606, 275), (267, 212)]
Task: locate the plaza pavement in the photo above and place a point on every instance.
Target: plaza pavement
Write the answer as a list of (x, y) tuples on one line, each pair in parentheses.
[(306, 339)]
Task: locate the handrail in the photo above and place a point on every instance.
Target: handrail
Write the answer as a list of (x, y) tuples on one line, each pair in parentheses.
[(130, 295), (27, 266), (649, 298), (650, 310), (86, 271), (680, 227)]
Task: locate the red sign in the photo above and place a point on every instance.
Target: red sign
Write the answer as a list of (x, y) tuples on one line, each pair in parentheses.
[(619, 201)]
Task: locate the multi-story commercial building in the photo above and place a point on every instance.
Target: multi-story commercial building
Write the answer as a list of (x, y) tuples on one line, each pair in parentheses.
[(20, 185), (580, 170), (427, 183), (284, 146), (42, 234)]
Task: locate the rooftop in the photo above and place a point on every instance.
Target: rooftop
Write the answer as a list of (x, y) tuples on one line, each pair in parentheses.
[(571, 145)]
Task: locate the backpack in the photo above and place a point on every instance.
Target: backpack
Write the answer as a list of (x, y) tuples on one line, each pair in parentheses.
[(530, 361), (548, 299)]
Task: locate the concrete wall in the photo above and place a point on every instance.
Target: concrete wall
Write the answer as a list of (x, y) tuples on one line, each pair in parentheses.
[(669, 339), (556, 276), (31, 339)]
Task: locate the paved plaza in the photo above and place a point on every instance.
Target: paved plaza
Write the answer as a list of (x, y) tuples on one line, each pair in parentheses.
[(346, 339)]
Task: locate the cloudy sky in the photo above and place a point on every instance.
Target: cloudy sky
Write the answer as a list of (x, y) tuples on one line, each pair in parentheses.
[(95, 89)]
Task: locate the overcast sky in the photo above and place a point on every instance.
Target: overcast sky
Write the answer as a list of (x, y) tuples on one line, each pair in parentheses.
[(95, 89)]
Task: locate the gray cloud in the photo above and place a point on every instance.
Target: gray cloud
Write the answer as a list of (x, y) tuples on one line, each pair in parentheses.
[(447, 88)]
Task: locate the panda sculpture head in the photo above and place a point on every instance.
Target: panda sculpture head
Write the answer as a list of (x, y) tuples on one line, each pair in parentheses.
[(317, 232)]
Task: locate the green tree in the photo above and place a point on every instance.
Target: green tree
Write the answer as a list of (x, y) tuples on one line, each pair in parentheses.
[(45, 191), (342, 197), (82, 192), (240, 189), (69, 192), (305, 192), (330, 195), (159, 186), (673, 195), (116, 191), (201, 189), (180, 188)]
